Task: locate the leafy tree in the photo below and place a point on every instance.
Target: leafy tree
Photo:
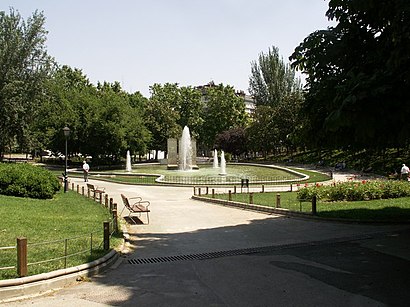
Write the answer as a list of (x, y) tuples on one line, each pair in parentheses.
[(190, 108), (358, 76), (232, 141), (24, 68), (271, 79), (224, 110), (162, 114), (278, 96)]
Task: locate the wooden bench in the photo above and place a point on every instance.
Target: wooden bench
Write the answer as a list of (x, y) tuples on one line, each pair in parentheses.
[(95, 190), (138, 206)]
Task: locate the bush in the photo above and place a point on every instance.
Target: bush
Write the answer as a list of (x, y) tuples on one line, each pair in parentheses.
[(357, 191), (25, 180)]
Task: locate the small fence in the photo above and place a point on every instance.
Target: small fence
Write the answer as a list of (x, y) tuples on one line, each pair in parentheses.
[(61, 253), (245, 197), (227, 180)]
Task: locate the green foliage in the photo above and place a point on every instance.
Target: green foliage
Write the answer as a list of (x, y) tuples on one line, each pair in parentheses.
[(224, 110), (357, 71), (24, 68), (67, 216), (24, 180), (356, 191), (278, 96)]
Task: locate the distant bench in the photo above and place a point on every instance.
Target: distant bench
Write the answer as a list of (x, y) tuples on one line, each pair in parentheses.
[(95, 190), (139, 206)]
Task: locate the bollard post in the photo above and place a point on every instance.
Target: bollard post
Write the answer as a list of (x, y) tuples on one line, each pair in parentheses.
[(291, 187), (106, 201), (78, 188), (263, 188), (251, 198), (194, 190), (106, 226), (229, 195), (278, 200), (22, 257), (88, 193), (314, 200), (234, 189), (207, 190), (213, 193), (199, 191), (82, 190), (101, 198), (111, 203), (72, 186)]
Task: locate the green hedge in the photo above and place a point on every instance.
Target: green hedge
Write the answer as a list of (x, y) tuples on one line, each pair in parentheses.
[(357, 191), (25, 180)]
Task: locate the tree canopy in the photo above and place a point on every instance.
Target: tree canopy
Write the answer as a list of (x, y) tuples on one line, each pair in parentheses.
[(24, 68), (358, 76)]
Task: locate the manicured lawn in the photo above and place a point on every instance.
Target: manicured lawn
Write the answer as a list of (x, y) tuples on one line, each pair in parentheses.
[(67, 216), (397, 209), (141, 179)]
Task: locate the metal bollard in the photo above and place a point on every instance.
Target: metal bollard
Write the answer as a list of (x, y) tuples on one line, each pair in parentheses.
[(314, 201)]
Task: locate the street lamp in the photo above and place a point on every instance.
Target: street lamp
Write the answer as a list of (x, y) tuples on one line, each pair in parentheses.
[(66, 131)]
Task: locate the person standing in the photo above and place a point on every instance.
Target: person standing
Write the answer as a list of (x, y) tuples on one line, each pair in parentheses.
[(86, 169), (404, 173)]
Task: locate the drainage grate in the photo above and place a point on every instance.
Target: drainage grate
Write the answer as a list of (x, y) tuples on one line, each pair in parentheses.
[(244, 251)]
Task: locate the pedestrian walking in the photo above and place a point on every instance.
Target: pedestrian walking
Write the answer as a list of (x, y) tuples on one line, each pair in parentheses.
[(404, 173), (86, 169)]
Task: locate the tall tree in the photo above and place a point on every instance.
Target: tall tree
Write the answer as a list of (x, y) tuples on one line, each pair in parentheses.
[(24, 68), (162, 115), (224, 110), (271, 79), (278, 96), (358, 76)]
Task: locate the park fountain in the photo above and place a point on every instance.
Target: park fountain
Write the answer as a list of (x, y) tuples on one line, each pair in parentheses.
[(215, 165), (223, 164), (185, 151), (128, 167)]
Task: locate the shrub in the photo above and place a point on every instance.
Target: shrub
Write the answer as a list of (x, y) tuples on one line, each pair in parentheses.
[(25, 180), (356, 191)]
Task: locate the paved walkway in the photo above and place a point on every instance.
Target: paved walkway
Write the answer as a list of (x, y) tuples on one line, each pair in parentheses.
[(210, 255)]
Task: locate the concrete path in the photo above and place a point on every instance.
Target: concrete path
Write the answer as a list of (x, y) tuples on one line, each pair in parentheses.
[(199, 254)]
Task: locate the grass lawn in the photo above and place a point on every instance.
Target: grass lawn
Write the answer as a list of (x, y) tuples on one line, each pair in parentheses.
[(68, 216), (141, 179), (397, 209)]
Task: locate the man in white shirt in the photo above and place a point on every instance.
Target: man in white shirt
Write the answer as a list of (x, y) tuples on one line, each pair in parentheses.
[(404, 174), (86, 169)]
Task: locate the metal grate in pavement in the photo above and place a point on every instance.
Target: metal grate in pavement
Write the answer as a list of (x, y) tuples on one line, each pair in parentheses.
[(244, 251)]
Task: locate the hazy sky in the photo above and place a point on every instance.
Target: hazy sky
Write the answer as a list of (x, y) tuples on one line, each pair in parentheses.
[(190, 42)]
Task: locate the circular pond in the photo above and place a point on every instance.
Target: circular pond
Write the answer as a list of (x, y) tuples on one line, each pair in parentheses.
[(208, 175)]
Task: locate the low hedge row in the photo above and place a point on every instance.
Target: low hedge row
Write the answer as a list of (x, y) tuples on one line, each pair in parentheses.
[(25, 180), (357, 191)]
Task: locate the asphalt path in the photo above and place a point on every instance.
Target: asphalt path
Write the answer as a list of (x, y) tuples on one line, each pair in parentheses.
[(198, 254)]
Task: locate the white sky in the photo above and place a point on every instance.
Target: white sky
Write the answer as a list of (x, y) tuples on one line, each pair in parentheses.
[(190, 42)]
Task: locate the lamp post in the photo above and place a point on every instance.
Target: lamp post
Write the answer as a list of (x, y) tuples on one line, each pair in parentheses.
[(66, 131)]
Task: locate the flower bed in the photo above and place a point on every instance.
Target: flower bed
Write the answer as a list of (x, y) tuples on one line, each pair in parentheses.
[(356, 191)]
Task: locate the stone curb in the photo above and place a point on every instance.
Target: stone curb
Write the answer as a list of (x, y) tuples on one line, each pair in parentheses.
[(253, 207), (286, 212)]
